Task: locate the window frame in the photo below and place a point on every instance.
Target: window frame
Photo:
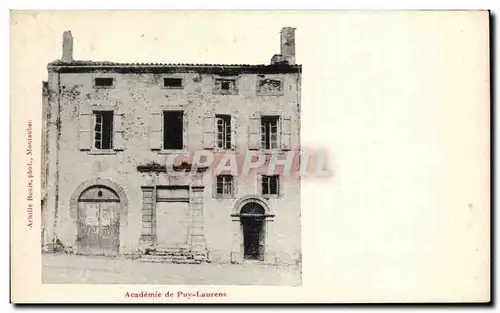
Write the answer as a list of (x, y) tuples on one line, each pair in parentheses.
[(263, 135), (262, 178), (185, 124), (231, 183), (227, 132), (94, 149), (96, 86), (164, 112), (172, 87), (218, 91)]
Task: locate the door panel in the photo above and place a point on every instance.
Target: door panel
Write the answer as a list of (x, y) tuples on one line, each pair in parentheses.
[(88, 232), (108, 228), (98, 228), (172, 223)]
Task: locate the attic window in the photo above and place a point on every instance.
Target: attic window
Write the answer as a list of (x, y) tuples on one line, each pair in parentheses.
[(171, 82), (225, 86), (103, 82)]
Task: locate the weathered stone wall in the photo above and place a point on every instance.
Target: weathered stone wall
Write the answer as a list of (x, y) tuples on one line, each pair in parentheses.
[(137, 96)]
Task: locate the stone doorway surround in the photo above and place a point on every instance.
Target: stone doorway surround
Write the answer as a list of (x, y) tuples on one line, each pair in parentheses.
[(156, 176), (237, 249), (122, 212)]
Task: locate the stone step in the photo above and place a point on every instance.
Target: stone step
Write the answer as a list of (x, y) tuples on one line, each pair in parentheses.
[(168, 253), (169, 260), (155, 260), (168, 257)]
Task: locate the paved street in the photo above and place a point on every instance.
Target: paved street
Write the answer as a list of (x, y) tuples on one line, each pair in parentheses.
[(76, 269)]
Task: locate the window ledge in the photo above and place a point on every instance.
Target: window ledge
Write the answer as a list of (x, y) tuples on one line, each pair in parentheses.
[(271, 196), (272, 151), (215, 92), (269, 93), (225, 197), (103, 152), (221, 150), (175, 88), (179, 151)]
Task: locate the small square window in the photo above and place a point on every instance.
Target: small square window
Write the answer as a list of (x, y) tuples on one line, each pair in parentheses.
[(103, 82), (225, 86), (225, 185), (172, 82), (270, 185)]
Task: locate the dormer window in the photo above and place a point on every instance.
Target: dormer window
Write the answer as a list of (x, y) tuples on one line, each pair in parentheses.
[(103, 82)]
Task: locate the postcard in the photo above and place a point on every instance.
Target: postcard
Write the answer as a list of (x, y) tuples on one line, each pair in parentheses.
[(250, 156)]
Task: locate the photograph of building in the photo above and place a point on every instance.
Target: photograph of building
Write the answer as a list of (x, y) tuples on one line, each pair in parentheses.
[(108, 129)]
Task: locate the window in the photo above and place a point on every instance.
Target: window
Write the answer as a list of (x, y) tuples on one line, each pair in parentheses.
[(103, 130), (224, 185), (103, 82), (269, 132), (173, 130), (225, 86), (266, 86), (270, 185), (223, 131), (172, 82)]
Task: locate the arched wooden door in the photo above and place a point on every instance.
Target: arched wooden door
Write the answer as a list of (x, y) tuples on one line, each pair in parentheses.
[(98, 221)]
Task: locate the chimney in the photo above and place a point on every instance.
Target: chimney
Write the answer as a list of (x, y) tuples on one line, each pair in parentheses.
[(288, 44), (287, 54), (67, 47)]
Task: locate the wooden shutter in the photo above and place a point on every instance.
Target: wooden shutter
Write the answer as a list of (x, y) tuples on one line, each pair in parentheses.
[(259, 184), (233, 132), (286, 133), (155, 131), (254, 133), (209, 132), (85, 131), (235, 187), (118, 132)]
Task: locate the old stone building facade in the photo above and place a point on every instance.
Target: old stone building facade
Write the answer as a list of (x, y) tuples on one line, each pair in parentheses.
[(108, 128)]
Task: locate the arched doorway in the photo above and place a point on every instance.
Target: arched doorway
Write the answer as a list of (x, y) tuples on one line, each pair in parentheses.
[(252, 222), (252, 230), (98, 221)]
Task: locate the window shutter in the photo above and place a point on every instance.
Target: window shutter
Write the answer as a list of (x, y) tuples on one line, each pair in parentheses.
[(259, 184), (214, 186), (233, 132), (235, 187), (155, 131), (85, 131), (118, 132), (254, 133), (209, 132), (286, 134)]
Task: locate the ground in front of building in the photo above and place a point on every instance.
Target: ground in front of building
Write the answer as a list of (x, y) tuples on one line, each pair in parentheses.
[(76, 269)]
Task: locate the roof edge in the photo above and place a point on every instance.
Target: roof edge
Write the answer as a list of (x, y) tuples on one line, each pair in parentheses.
[(105, 66)]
